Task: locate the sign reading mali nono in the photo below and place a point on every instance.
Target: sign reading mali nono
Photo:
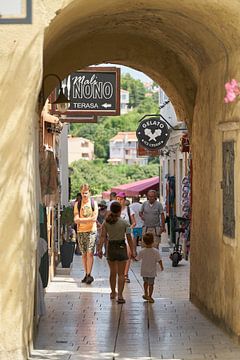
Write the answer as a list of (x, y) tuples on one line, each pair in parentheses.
[(95, 90)]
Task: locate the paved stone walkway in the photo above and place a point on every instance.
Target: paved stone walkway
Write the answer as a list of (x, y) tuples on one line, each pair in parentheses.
[(83, 323)]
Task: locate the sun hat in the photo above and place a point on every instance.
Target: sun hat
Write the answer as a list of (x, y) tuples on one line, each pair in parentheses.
[(121, 194)]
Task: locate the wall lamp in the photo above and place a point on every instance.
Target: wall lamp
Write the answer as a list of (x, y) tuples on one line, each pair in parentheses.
[(62, 102)]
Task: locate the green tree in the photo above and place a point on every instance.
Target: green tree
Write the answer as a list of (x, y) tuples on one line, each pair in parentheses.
[(148, 106), (101, 176), (136, 90)]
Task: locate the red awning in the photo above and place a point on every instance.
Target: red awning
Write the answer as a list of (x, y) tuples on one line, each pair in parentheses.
[(140, 187)]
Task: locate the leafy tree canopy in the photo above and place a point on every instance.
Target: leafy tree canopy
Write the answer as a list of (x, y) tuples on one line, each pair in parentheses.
[(101, 176)]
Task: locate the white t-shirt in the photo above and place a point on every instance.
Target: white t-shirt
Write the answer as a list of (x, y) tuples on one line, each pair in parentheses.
[(124, 214), (150, 257), (136, 207)]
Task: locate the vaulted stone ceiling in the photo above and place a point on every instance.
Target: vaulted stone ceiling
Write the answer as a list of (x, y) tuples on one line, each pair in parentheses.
[(172, 41)]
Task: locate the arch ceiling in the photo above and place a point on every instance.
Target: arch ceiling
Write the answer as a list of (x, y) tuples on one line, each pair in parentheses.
[(172, 41)]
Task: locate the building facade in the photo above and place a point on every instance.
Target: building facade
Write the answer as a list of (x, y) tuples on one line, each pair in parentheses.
[(124, 101), (123, 149), (80, 148)]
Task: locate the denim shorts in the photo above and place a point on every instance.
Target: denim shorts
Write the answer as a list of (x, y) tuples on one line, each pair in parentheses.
[(137, 232), (117, 250), (149, 280)]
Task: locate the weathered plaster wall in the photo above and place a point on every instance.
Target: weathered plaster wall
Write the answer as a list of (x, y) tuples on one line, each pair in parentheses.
[(215, 267), (20, 80)]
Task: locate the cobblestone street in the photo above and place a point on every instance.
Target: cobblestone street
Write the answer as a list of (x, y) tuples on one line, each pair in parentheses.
[(83, 323)]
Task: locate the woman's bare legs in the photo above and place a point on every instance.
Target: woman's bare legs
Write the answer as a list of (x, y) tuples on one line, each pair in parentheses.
[(127, 266), (112, 277), (121, 265)]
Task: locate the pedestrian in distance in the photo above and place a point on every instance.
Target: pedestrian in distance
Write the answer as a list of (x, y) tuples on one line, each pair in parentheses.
[(102, 213), (153, 217), (85, 216), (137, 230), (116, 229), (127, 214), (113, 197), (149, 257)]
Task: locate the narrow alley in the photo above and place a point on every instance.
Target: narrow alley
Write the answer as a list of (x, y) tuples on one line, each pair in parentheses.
[(83, 323)]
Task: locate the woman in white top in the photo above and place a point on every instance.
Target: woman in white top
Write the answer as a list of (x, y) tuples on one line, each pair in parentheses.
[(128, 215)]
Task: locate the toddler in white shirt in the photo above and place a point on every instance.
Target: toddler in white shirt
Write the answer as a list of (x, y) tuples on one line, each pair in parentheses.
[(150, 257)]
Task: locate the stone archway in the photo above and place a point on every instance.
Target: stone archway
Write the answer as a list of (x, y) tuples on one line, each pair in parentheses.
[(190, 49), (187, 49)]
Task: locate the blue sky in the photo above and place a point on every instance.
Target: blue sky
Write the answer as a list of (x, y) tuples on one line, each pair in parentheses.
[(134, 73)]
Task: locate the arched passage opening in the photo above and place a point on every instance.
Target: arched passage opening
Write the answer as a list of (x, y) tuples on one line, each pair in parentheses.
[(186, 49), (190, 48)]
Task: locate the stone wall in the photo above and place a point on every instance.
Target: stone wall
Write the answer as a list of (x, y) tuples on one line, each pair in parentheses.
[(215, 267), (21, 71)]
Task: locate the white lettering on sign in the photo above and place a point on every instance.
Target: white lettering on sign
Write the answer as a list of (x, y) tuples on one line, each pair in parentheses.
[(152, 145), (84, 106), (155, 123), (91, 89)]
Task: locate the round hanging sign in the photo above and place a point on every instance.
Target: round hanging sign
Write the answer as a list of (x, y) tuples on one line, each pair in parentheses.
[(152, 133)]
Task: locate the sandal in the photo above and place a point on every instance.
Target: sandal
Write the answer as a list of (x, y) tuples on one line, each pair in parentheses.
[(121, 301), (112, 296)]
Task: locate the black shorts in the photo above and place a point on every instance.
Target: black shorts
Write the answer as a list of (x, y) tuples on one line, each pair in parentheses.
[(117, 250)]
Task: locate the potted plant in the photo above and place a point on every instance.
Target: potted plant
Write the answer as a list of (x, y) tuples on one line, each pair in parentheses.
[(68, 246)]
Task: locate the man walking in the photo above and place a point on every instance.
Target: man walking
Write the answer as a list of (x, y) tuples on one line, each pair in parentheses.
[(153, 217), (85, 216), (113, 197)]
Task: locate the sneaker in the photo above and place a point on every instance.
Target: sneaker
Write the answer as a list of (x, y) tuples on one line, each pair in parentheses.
[(126, 278), (145, 297), (89, 279), (84, 279)]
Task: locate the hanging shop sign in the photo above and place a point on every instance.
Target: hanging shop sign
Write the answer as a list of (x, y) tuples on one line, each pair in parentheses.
[(16, 12), (152, 133), (81, 119), (141, 151), (95, 90)]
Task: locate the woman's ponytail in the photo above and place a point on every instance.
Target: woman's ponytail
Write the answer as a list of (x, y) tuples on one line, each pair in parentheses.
[(115, 209)]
